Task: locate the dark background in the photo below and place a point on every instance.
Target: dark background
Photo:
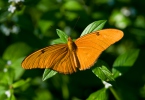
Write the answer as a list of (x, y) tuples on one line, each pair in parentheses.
[(37, 21)]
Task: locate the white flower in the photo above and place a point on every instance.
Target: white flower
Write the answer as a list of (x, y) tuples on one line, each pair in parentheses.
[(126, 11), (107, 85), (9, 62), (16, 1), (5, 30), (5, 70), (15, 29), (10, 0), (11, 8), (19, 1), (8, 93)]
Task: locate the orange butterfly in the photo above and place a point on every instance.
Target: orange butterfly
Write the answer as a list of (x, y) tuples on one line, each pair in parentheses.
[(79, 54)]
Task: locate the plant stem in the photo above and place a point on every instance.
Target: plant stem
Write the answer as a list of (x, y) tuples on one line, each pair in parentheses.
[(114, 93)]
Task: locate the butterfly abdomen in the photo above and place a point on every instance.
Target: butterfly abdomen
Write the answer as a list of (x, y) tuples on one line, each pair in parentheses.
[(73, 49)]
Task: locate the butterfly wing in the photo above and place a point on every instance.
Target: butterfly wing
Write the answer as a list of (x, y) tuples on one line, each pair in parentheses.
[(90, 46), (61, 58), (56, 57)]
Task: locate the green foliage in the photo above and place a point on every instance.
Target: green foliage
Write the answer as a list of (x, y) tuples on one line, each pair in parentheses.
[(123, 63), (99, 95), (101, 71), (48, 73), (62, 35), (97, 25), (11, 54), (118, 73)]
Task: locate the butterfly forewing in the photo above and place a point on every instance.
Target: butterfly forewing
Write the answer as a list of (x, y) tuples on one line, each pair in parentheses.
[(40, 58), (90, 46), (56, 57)]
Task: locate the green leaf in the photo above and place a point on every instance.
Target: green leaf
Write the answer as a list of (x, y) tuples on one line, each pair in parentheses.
[(12, 97), (72, 5), (97, 25), (62, 35), (18, 70), (56, 41), (45, 25), (2, 63), (3, 16), (2, 92), (123, 63), (4, 77), (9, 76), (48, 73), (101, 71), (15, 51), (45, 94), (99, 95), (20, 83)]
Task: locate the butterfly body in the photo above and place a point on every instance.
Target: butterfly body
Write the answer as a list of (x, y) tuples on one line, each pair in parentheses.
[(76, 55)]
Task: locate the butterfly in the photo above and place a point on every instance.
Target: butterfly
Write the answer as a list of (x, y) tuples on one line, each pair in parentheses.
[(80, 54)]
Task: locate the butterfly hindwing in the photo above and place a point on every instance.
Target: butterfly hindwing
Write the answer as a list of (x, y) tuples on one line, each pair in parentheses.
[(68, 64)]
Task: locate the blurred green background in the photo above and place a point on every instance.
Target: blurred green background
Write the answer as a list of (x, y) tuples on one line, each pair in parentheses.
[(33, 26)]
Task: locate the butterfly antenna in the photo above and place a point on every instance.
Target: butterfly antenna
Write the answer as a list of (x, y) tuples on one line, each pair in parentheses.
[(76, 22)]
